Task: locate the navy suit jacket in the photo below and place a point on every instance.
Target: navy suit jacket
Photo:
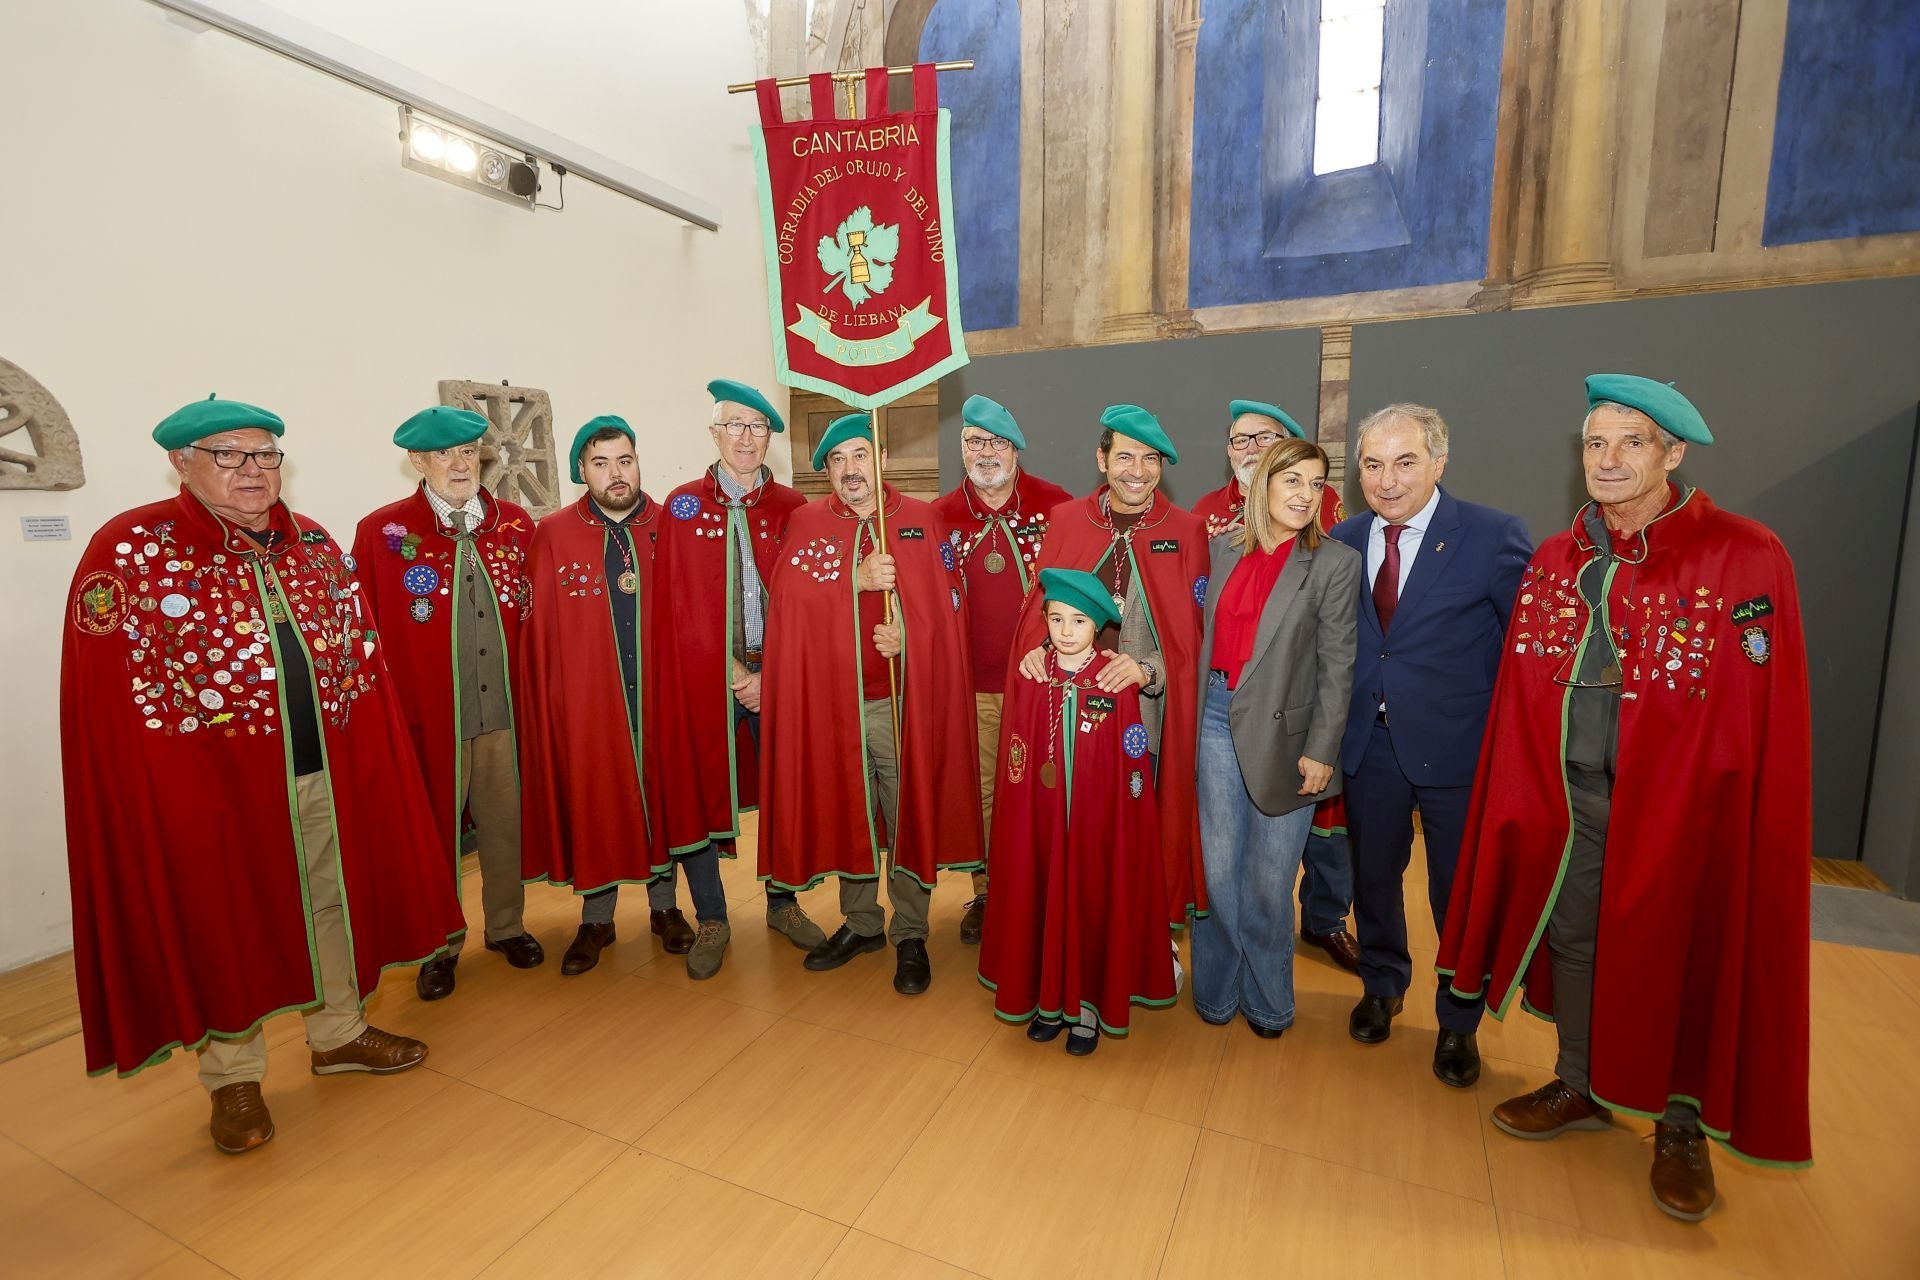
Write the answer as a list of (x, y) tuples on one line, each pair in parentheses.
[(1435, 667)]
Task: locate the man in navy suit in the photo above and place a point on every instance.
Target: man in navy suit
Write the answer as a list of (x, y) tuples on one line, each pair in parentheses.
[(1440, 579)]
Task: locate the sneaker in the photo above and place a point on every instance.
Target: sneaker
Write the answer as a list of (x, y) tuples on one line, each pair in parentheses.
[(709, 948), (790, 920)]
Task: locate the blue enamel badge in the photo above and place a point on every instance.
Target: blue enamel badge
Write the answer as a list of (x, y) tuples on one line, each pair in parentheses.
[(684, 507), (421, 580), (1133, 740)]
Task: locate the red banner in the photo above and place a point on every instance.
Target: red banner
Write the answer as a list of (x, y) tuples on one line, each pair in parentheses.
[(861, 274)]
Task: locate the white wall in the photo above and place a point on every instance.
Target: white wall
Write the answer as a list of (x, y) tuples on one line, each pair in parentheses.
[(184, 213)]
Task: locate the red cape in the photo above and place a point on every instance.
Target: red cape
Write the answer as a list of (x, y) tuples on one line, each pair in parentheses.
[(1175, 580), (1222, 509), (1701, 987), (585, 819), (188, 915), (994, 599), (389, 549), (1078, 899), (713, 772), (814, 815)]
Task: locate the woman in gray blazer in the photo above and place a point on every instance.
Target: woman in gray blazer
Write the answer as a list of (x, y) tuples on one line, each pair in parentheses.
[(1277, 670)]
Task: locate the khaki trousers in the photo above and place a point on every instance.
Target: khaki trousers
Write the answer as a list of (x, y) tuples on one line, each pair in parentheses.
[(492, 795), (986, 713), (860, 899), (338, 1020)]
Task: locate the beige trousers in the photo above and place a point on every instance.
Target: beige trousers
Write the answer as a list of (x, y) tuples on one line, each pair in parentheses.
[(860, 899), (986, 713), (338, 1020), (492, 796)]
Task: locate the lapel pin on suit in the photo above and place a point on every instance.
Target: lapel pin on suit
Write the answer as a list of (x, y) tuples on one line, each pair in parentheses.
[(1439, 546)]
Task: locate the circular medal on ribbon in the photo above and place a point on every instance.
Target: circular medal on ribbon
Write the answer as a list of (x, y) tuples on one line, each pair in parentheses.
[(628, 581), (995, 562), (421, 580)]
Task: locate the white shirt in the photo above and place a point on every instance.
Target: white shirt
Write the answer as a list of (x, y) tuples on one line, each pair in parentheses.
[(1410, 540)]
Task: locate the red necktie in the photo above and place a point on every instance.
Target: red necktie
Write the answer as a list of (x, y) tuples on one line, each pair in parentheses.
[(1386, 583)]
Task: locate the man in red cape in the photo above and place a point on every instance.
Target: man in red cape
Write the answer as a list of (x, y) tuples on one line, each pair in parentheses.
[(717, 551), (246, 828), (830, 749), (592, 809), (1077, 937), (1326, 880), (1650, 720), (995, 521), (1153, 557), (444, 571)]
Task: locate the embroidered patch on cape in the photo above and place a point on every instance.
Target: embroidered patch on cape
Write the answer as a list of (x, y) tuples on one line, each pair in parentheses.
[(1200, 590), (684, 507), (1135, 784), (913, 532), (1752, 610), (420, 609), (1099, 702), (1757, 645), (956, 598), (1016, 757), (313, 535), (99, 603), (946, 556), (1133, 740), (1164, 544), (421, 580)]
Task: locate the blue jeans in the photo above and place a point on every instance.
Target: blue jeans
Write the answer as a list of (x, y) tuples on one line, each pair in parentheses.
[(1243, 951)]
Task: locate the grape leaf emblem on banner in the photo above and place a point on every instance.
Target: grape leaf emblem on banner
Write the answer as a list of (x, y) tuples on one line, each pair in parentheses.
[(859, 256)]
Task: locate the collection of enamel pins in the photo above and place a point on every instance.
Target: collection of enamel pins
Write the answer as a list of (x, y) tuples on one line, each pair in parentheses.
[(1665, 638)]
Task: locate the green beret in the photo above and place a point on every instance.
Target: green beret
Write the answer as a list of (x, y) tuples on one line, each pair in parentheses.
[(580, 439), (1658, 400), (441, 427), (210, 417), (1132, 420), (1274, 411), (848, 427), (740, 393), (1080, 590), (992, 416)]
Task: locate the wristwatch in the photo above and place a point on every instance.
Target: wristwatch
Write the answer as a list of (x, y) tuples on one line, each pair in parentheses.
[(1152, 675)]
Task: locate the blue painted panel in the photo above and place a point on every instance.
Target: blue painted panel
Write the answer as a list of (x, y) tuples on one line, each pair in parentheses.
[(986, 151), (1846, 135), (1441, 100)]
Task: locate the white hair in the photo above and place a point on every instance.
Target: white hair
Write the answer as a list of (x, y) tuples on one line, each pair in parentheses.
[(1431, 424), (1667, 438)]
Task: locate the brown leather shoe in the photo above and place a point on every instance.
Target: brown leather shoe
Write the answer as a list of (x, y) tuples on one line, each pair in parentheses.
[(240, 1119), (1548, 1112), (380, 1052), (584, 953), (675, 934), (1682, 1174), (1339, 944), (974, 922)]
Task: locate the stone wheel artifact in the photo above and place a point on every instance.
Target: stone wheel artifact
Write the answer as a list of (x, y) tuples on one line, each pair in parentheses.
[(38, 446), (517, 460)]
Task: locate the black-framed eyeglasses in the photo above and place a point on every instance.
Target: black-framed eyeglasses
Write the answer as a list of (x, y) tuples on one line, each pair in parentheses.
[(984, 444), (1264, 440), (234, 459), (738, 427)]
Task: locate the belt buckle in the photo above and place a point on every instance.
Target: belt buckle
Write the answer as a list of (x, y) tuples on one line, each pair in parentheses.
[(752, 656)]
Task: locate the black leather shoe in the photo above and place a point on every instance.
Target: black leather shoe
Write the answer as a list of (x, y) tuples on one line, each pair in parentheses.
[(974, 922), (435, 979), (584, 953), (912, 972), (523, 952), (1080, 1046), (675, 934), (1041, 1031), (1371, 1021), (843, 946), (1265, 1033), (1456, 1058)]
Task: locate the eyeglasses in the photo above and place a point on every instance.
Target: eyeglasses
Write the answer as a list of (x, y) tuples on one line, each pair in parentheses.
[(740, 427), (234, 459), (984, 444), (1264, 440)]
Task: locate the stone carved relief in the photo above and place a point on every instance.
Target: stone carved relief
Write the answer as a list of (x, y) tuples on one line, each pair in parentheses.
[(38, 446), (517, 458)]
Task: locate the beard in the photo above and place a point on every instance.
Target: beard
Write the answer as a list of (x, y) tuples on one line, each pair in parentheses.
[(989, 473), (615, 506), (1244, 472)]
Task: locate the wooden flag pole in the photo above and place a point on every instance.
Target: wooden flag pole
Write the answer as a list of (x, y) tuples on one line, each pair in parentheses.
[(794, 82)]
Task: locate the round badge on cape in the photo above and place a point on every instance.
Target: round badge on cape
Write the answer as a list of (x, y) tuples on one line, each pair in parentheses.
[(174, 605), (421, 609), (684, 507), (421, 580), (1133, 740), (1200, 590), (946, 556)]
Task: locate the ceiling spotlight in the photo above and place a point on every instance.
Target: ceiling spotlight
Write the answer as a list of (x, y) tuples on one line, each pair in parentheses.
[(461, 157), (467, 160)]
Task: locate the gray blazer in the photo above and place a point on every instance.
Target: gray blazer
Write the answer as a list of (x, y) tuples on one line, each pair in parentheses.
[(1292, 697)]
